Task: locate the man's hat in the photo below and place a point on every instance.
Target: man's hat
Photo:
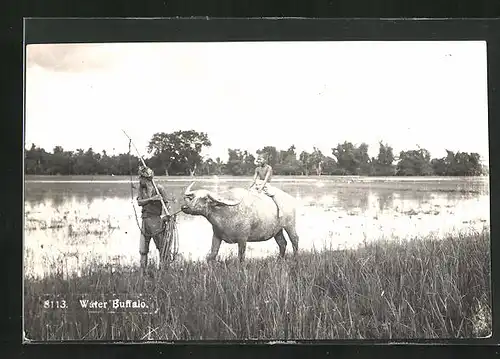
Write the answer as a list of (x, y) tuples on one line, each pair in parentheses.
[(145, 172)]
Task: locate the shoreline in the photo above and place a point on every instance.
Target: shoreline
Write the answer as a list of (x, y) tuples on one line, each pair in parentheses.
[(187, 260)]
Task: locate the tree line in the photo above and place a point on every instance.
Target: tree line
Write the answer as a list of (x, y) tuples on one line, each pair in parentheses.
[(180, 153)]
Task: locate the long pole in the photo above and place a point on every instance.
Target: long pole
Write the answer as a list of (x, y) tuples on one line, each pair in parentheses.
[(152, 180)]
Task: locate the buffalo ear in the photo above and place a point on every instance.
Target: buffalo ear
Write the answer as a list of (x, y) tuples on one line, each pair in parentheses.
[(213, 202), (221, 201)]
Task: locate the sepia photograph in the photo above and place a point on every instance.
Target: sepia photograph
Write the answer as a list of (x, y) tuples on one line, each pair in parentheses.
[(256, 190)]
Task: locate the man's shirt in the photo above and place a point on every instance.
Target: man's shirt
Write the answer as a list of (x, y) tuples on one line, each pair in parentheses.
[(153, 208)]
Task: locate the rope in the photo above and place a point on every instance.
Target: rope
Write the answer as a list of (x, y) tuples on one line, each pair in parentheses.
[(170, 248)]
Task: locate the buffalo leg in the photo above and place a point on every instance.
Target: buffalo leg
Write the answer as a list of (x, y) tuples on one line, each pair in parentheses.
[(215, 248), (294, 238), (242, 246), (280, 239)]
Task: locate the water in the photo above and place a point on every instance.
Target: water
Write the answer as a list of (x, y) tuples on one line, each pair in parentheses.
[(74, 221)]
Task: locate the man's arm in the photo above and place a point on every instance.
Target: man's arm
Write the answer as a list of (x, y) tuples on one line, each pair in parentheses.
[(268, 175), (254, 178), (143, 201)]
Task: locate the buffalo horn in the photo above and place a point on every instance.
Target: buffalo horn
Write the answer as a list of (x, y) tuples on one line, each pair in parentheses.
[(188, 190)]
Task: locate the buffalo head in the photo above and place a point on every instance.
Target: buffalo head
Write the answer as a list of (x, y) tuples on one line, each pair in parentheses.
[(202, 202)]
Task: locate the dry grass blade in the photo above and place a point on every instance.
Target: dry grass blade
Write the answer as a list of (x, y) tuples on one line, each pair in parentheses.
[(227, 326), (148, 334)]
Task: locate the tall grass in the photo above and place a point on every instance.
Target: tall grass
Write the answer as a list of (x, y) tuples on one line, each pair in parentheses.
[(423, 288)]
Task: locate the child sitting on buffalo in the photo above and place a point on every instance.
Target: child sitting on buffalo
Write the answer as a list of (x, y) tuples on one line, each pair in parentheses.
[(263, 174)]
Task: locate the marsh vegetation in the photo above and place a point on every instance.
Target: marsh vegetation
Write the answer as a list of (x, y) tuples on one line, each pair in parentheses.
[(422, 288)]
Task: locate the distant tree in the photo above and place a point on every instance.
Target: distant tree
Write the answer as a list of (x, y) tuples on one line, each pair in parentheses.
[(212, 167), (291, 165), (485, 170), (70, 160), (219, 166), (467, 164), (457, 164), (312, 162), (248, 163), (474, 168), (205, 167), (235, 163), (106, 164), (29, 160), (346, 158), (316, 160), (37, 161), (414, 163), (365, 166), (180, 153), (57, 149), (79, 163), (125, 163), (91, 161), (271, 154), (181, 148), (58, 162), (305, 160), (383, 164), (439, 167), (287, 163), (353, 160), (330, 166)]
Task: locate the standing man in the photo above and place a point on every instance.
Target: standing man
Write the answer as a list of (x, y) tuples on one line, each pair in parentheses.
[(264, 173), (152, 209)]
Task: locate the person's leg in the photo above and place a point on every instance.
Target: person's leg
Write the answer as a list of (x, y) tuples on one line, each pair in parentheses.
[(144, 245), (157, 230), (269, 192)]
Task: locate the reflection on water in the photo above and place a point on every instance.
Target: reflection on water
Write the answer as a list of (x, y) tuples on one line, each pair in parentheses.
[(69, 225)]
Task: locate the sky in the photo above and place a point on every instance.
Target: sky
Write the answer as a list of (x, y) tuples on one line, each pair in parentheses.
[(248, 95)]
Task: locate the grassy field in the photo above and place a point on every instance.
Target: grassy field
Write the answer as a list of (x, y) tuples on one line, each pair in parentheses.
[(423, 288)]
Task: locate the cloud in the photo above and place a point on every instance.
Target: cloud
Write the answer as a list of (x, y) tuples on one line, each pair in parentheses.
[(68, 57)]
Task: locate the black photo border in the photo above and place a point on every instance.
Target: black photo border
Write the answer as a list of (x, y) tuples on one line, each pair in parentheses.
[(85, 30)]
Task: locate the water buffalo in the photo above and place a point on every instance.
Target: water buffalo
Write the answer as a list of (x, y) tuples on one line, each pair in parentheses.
[(242, 216)]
